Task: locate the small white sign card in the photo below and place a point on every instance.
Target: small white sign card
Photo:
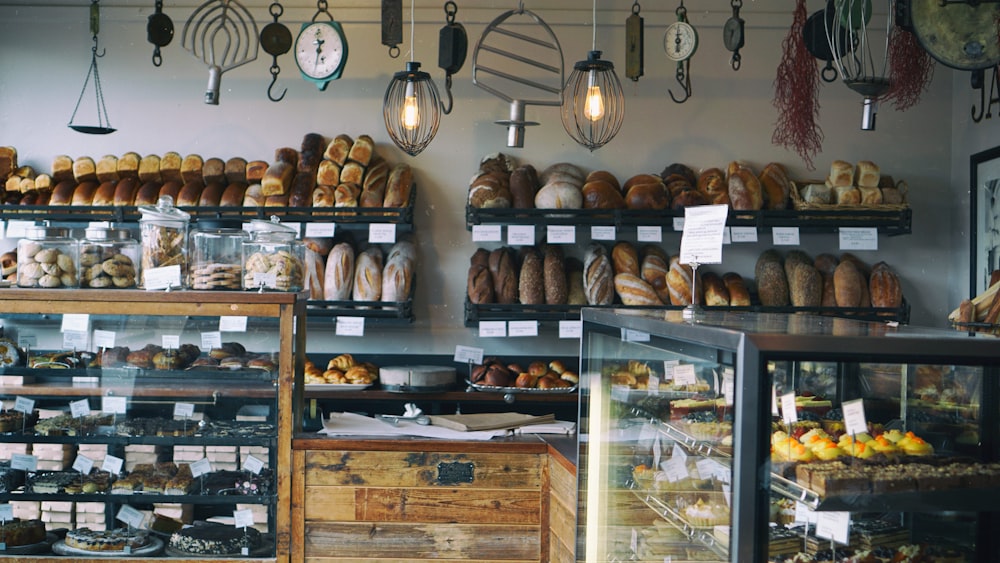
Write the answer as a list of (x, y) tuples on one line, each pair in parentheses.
[(243, 518), (570, 329), (83, 464), (253, 465), (834, 526), (130, 516), (6, 512), (854, 416), (788, 413), (79, 408), (24, 462), (24, 405), (201, 467), (704, 227), (468, 354), (183, 410), (112, 464)]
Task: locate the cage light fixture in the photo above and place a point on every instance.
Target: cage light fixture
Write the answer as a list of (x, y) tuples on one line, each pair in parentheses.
[(412, 106), (593, 103)]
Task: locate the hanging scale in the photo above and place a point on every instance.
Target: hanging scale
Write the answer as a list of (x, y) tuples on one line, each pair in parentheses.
[(102, 111), (276, 40), (680, 42), (159, 31), (453, 43), (733, 34), (634, 44), (392, 25)]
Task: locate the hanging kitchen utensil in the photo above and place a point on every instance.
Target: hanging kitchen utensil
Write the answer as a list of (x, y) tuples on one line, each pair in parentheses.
[(504, 54), (453, 44), (321, 48), (276, 40), (814, 33), (680, 42), (159, 31), (864, 68), (103, 126), (225, 25), (392, 25), (634, 43), (961, 35), (733, 34)]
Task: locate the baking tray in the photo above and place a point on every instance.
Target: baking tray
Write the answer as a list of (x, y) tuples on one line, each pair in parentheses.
[(520, 390)]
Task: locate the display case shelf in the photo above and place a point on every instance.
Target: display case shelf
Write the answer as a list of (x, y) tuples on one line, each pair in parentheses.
[(700, 535)]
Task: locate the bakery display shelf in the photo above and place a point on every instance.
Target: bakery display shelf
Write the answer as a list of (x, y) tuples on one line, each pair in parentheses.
[(57, 371), (193, 388), (380, 312), (110, 439), (691, 444), (138, 498), (450, 396), (793, 491), (889, 221), (700, 535)]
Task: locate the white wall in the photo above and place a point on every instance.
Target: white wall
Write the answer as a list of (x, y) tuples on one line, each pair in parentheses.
[(45, 52)]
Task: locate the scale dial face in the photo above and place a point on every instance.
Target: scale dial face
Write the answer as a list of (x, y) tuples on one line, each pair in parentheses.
[(680, 41), (321, 51)]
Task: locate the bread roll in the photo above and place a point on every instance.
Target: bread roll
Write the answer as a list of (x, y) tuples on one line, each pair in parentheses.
[(772, 282), (362, 150), (600, 194), (847, 282), (255, 171), (891, 195), (556, 289), (654, 271), (868, 175), (805, 286), (688, 198), (338, 279), (847, 195), (816, 194), (489, 190), (368, 275), (62, 169), (313, 145), (505, 281), (128, 165), (776, 185), (870, 196), (288, 155), (531, 278), (338, 149), (83, 195), (714, 289), (190, 194), (149, 169), (84, 170), (680, 281), (211, 196), (479, 285), (171, 189), (236, 170), (148, 193), (398, 186), (254, 196), (352, 173), (841, 173), (745, 192), (884, 287), (300, 193), (598, 276), (739, 296), (170, 167), (105, 194), (125, 190), (639, 179), (314, 274), (682, 170), (652, 195), (233, 195), (191, 168), (107, 168), (625, 258), (278, 178), (634, 291), (523, 187)]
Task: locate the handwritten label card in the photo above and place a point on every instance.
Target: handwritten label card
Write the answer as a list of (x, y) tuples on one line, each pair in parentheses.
[(788, 413), (114, 405), (570, 329), (350, 326), (253, 465), (494, 329), (834, 526), (79, 408), (112, 464), (487, 233), (854, 416), (130, 516), (24, 404), (684, 374), (560, 234), (704, 226), (161, 278), (858, 238), (521, 235), (468, 354), (83, 464), (183, 410), (522, 328), (201, 467), (382, 233), (603, 233), (649, 233), (785, 236)]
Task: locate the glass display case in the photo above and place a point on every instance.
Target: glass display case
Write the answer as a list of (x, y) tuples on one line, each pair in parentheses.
[(768, 437), (141, 424)]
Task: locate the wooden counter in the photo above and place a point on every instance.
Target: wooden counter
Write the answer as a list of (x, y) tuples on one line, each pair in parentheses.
[(415, 499)]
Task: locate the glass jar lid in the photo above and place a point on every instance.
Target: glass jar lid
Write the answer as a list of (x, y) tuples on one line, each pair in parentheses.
[(107, 234), (271, 230), (163, 211), (39, 232)]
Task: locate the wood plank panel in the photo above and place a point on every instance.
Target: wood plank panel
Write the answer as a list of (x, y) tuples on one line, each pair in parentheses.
[(407, 560), (420, 469), (331, 504), (562, 513), (386, 541), (299, 506), (482, 506)]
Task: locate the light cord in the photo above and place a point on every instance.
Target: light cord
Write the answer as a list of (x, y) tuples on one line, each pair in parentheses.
[(411, 29), (593, 40)]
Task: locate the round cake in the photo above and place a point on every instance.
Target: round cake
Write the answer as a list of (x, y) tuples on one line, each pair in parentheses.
[(22, 532), (106, 540), (215, 539)]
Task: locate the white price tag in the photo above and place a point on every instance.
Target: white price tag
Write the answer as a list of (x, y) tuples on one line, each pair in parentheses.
[(675, 468), (183, 410), (112, 464), (678, 224), (76, 322), (24, 462), (629, 335), (728, 386), (854, 416), (297, 227), (83, 464), (570, 329), (678, 453), (211, 340), (232, 324), (162, 278), (712, 469), (75, 340), (743, 234), (382, 232), (243, 518), (6, 512), (684, 374), (468, 354), (668, 369), (774, 400), (171, 341), (492, 329), (649, 233), (24, 404), (560, 234), (487, 233), (805, 514), (522, 328), (114, 405), (130, 516), (79, 408), (653, 385), (603, 233), (834, 526), (521, 235), (657, 451), (788, 413), (858, 238), (619, 393), (253, 465), (785, 236), (350, 326), (265, 280), (201, 467), (321, 230), (104, 339), (27, 340)]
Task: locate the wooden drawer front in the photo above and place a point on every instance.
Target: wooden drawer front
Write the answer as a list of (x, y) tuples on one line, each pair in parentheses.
[(421, 469), (374, 504), (562, 514), (409, 542)]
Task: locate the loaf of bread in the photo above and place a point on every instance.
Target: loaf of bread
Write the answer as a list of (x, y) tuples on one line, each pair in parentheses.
[(714, 289), (128, 165), (559, 194), (287, 155), (805, 286), (688, 198), (125, 190), (654, 271), (847, 282), (346, 195), (634, 291), (523, 187), (651, 195), (841, 173), (276, 201), (255, 171), (826, 263), (563, 172), (233, 195), (148, 192), (682, 170), (398, 186), (772, 282), (891, 195), (680, 282), (625, 258), (170, 167), (169, 189), (352, 173), (505, 281), (84, 169), (556, 289), (816, 194), (870, 196), (640, 179), (149, 169), (301, 191), (479, 286), (792, 260), (745, 191), (107, 168), (43, 182), (105, 194), (211, 195), (236, 170), (575, 293), (62, 168), (739, 296), (598, 276), (254, 196), (829, 296), (213, 170), (604, 176), (319, 245), (84, 193), (376, 175), (278, 178), (601, 194), (531, 278), (190, 194), (372, 194), (323, 196), (313, 146), (314, 274), (884, 287), (368, 275), (338, 278), (847, 195), (338, 149), (868, 174), (712, 184), (490, 190), (776, 185), (397, 278), (328, 173), (362, 150), (191, 168)]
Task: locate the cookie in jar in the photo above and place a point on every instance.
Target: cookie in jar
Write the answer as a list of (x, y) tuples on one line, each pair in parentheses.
[(216, 258), (109, 259), (47, 258), (273, 258), (164, 230)]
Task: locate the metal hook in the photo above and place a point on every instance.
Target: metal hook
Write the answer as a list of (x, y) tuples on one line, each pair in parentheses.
[(157, 57), (451, 101), (394, 51), (684, 79), (736, 60), (274, 79)]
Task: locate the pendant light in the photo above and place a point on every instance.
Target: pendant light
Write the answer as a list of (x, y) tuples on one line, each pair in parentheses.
[(593, 104), (412, 106)]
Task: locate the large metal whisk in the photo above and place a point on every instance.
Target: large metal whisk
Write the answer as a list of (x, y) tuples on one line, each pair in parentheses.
[(224, 24), (864, 67)]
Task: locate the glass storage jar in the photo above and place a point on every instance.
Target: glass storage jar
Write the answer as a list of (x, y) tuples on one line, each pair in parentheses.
[(273, 258), (109, 258), (164, 231), (47, 257), (216, 258)]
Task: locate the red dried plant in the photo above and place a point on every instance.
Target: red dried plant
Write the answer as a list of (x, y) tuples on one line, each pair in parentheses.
[(911, 69), (796, 89)]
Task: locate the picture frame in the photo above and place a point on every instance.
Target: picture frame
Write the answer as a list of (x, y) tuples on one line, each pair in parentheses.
[(984, 203)]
